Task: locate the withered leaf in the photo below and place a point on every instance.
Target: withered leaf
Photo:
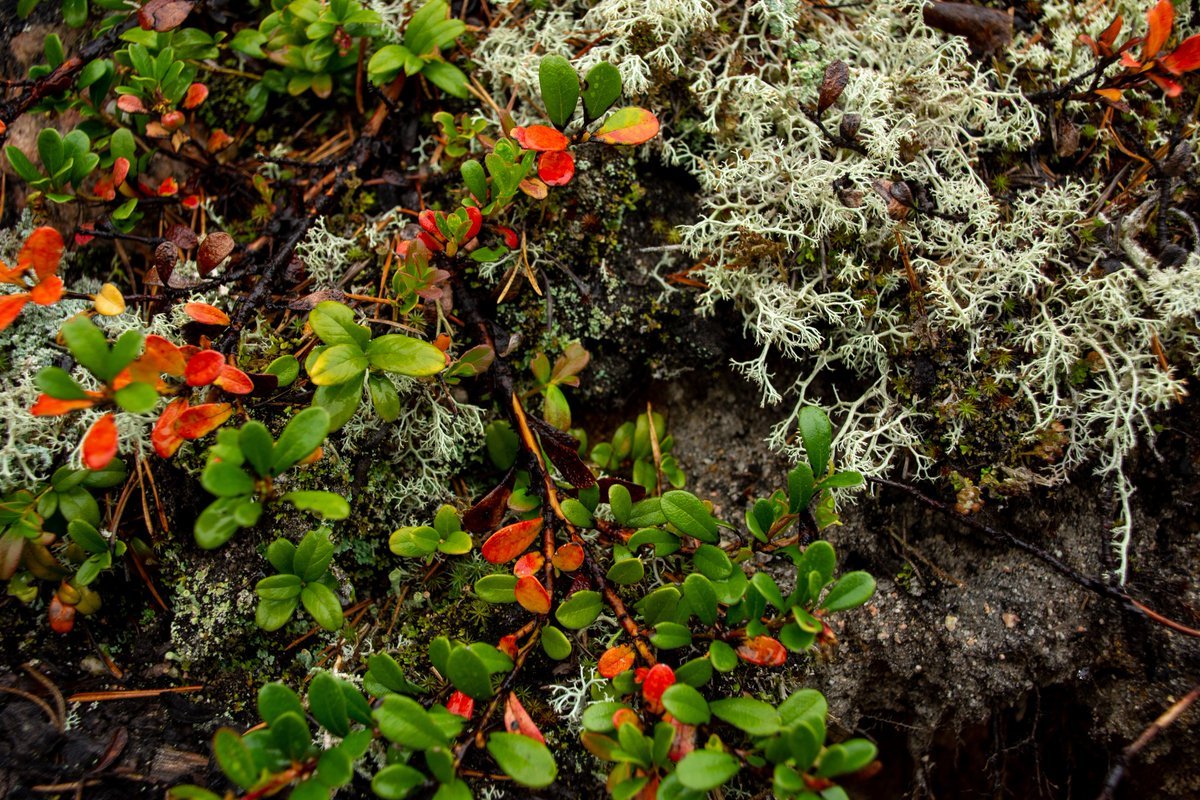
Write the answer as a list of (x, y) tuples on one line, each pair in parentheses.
[(563, 450), (636, 490), (183, 236), (165, 257), (164, 15), (837, 75), (264, 383), (215, 248), (987, 30), (486, 514), (309, 301)]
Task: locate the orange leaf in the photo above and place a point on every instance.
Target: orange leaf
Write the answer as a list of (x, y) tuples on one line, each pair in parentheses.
[(132, 104), (629, 125), (1111, 95), (509, 542), (42, 251), (218, 140), (657, 680), (234, 381), (62, 616), (203, 368), (508, 645), (196, 94), (163, 356), (626, 716), (10, 307), (206, 314), (47, 406), (120, 171), (534, 187), (762, 650), (517, 719), (540, 138), (615, 661), (48, 292), (528, 564), (165, 436), (556, 168), (168, 188), (568, 558), (532, 596), (100, 442), (1109, 36), (1160, 19), (460, 704), (199, 420), (1184, 58)]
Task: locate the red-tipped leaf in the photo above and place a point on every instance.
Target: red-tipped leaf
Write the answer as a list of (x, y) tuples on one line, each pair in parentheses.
[(234, 381), (203, 419), (203, 368), (528, 564), (42, 251), (568, 557), (165, 436)]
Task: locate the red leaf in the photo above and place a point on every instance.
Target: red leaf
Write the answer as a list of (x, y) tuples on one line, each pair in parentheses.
[(540, 138), (100, 442), (132, 104), (517, 719), (120, 170), (508, 645), (1169, 86), (460, 704), (199, 420), (684, 741), (62, 616), (1111, 32), (1184, 58), (762, 650), (47, 406), (165, 436), (629, 125), (556, 168), (10, 307), (203, 368), (197, 93), (509, 236), (48, 292), (532, 596), (427, 219), (657, 680), (1160, 19), (476, 218), (509, 542), (528, 564), (163, 15), (162, 356), (168, 188), (206, 314), (615, 661), (42, 251), (234, 381), (568, 557)]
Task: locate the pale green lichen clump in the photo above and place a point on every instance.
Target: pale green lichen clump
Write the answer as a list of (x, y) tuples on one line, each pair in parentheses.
[(1011, 299)]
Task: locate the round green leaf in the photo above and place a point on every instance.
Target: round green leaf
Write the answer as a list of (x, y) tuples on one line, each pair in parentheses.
[(496, 588), (705, 770), (817, 435), (320, 601), (469, 674), (405, 355), (525, 760), (396, 781), (326, 505), (579, 610), (404, 721), (339, 363), (686, 704), (748, 714), (603, 88), (852, 590), (555, 643), (685, 511), (626, 571), (234, 758), (327, 704), (559, 84), (301, 437)]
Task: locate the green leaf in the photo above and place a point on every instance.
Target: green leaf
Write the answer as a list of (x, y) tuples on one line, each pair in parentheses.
[(603, 88), (748, 714), (84, 534), (685, 511), (724, 658), (502, 444), (320, 601), (340, 401), (496, 588), (384, 670), (555, 643), (766, 586), (57, 382), (475, 178), (468, 673), (326, 505), (559, 84), (291, 734), (75, 12), (525, 760), (802, 704), (339, 363), (50, 149), (415, 542), (659, 604), (188, 791), (626, 571), (405, 355), (597, 717), (334, 324), (279, 587), (447, 77), (22, 165), (671, 635), (88, 345), (577, 513), (384, 397), (705, 770), (686, 704), (702, 597), (712, 562), (396, 781), (456, 544), (842, 759), (300, 438), (234, 758), (271, 615), (579, 610), (275, 700), (403, 721), (817, 435), (620, 502), (801, 486), (327, 704), (285, 368), (852, 590), (256, 444), (223, 479), (334, 768), (313, 555), (280, 554), (842, 480)]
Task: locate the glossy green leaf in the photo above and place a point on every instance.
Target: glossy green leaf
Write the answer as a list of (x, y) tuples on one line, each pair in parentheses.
[(405, 355), (686, 704), (705, 770), (396, 781), (816, 433), (327, 704), (555, 643), (602, 89), (466, 670), (404, 721), (559, 84), (334, 324), (525, 760), (326, 505), (685, 511), (748, 714), (301, 436), (234, 758), (626, 571), (851, 590), (579, 610), (320, 601), (842, 759), (671, 636), (497, 588), (712, 562)]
